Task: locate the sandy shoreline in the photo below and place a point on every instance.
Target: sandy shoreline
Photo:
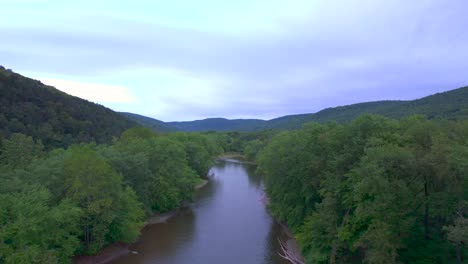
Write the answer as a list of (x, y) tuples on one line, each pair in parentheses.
[(238, 158), (201, 185)]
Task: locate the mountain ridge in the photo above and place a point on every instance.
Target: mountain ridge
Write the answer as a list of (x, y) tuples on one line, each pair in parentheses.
[(452, 104)]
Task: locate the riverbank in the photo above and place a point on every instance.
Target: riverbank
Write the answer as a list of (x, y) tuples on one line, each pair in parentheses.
[(117, 250), (202, 184), (232, 155), (290, 243), (236, 157)]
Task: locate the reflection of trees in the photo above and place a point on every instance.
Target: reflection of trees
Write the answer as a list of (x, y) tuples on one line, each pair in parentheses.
[(255, 179), (161, 241), (209, 190)]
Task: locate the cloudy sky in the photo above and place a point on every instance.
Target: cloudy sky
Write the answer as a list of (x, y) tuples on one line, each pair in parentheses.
[(185, 60)]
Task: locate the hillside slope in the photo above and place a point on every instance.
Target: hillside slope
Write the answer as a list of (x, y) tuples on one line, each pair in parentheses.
[(149, 122), (29, 107)]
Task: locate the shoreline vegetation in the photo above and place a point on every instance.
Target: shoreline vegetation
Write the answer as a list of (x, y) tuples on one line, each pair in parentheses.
[(99, 195)]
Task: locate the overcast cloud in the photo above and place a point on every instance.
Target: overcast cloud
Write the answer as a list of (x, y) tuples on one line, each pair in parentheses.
[(188, 60)]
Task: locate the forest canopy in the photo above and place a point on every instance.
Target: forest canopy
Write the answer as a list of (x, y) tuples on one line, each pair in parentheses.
[(374, 190)]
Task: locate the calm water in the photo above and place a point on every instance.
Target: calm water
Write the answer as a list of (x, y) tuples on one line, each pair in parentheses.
[(227, 223)]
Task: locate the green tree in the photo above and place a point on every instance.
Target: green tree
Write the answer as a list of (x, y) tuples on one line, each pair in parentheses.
[(97, 189)]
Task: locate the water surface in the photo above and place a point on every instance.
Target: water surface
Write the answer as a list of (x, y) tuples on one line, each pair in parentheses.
[(227, 223)]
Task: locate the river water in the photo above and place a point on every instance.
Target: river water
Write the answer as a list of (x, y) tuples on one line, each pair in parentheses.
[(227, 223)]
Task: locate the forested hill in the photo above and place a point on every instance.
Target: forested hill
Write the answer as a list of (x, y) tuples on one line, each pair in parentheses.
[(29, 107), (447, 105)]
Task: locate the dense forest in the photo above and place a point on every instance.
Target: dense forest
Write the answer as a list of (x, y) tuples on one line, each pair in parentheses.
[(451, 105), (374, 190), (65, 202), (55, 118)]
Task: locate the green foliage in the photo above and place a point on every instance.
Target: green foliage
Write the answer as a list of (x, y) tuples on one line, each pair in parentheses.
[(34, 231), (198, 149), (374, 190), (136, 133), (128, 221), (174, 179), (252, 148), (161, 169)]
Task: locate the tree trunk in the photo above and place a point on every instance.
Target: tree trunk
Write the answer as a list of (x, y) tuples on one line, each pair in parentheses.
[(335, 243), (289, 254), (458, 250), (87, 237), (426, 210)]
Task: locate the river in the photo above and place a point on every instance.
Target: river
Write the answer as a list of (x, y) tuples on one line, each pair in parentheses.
[(226, 223)]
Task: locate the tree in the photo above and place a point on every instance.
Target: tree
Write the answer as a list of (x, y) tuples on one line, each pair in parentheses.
[(128, 221), (19, 151), (97, 189)]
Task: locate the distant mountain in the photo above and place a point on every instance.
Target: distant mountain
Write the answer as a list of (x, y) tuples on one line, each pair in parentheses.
[(220, 124), (447, 105), (145, 121), (29, 107)]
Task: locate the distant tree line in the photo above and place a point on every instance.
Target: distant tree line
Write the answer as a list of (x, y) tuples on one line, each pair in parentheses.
[(68, 201)]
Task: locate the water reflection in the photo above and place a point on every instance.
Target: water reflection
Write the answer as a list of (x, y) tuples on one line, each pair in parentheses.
[(226, 223), (254, 178)]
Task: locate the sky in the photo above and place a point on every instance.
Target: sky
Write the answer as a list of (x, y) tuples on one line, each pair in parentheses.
[(187, 60)]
